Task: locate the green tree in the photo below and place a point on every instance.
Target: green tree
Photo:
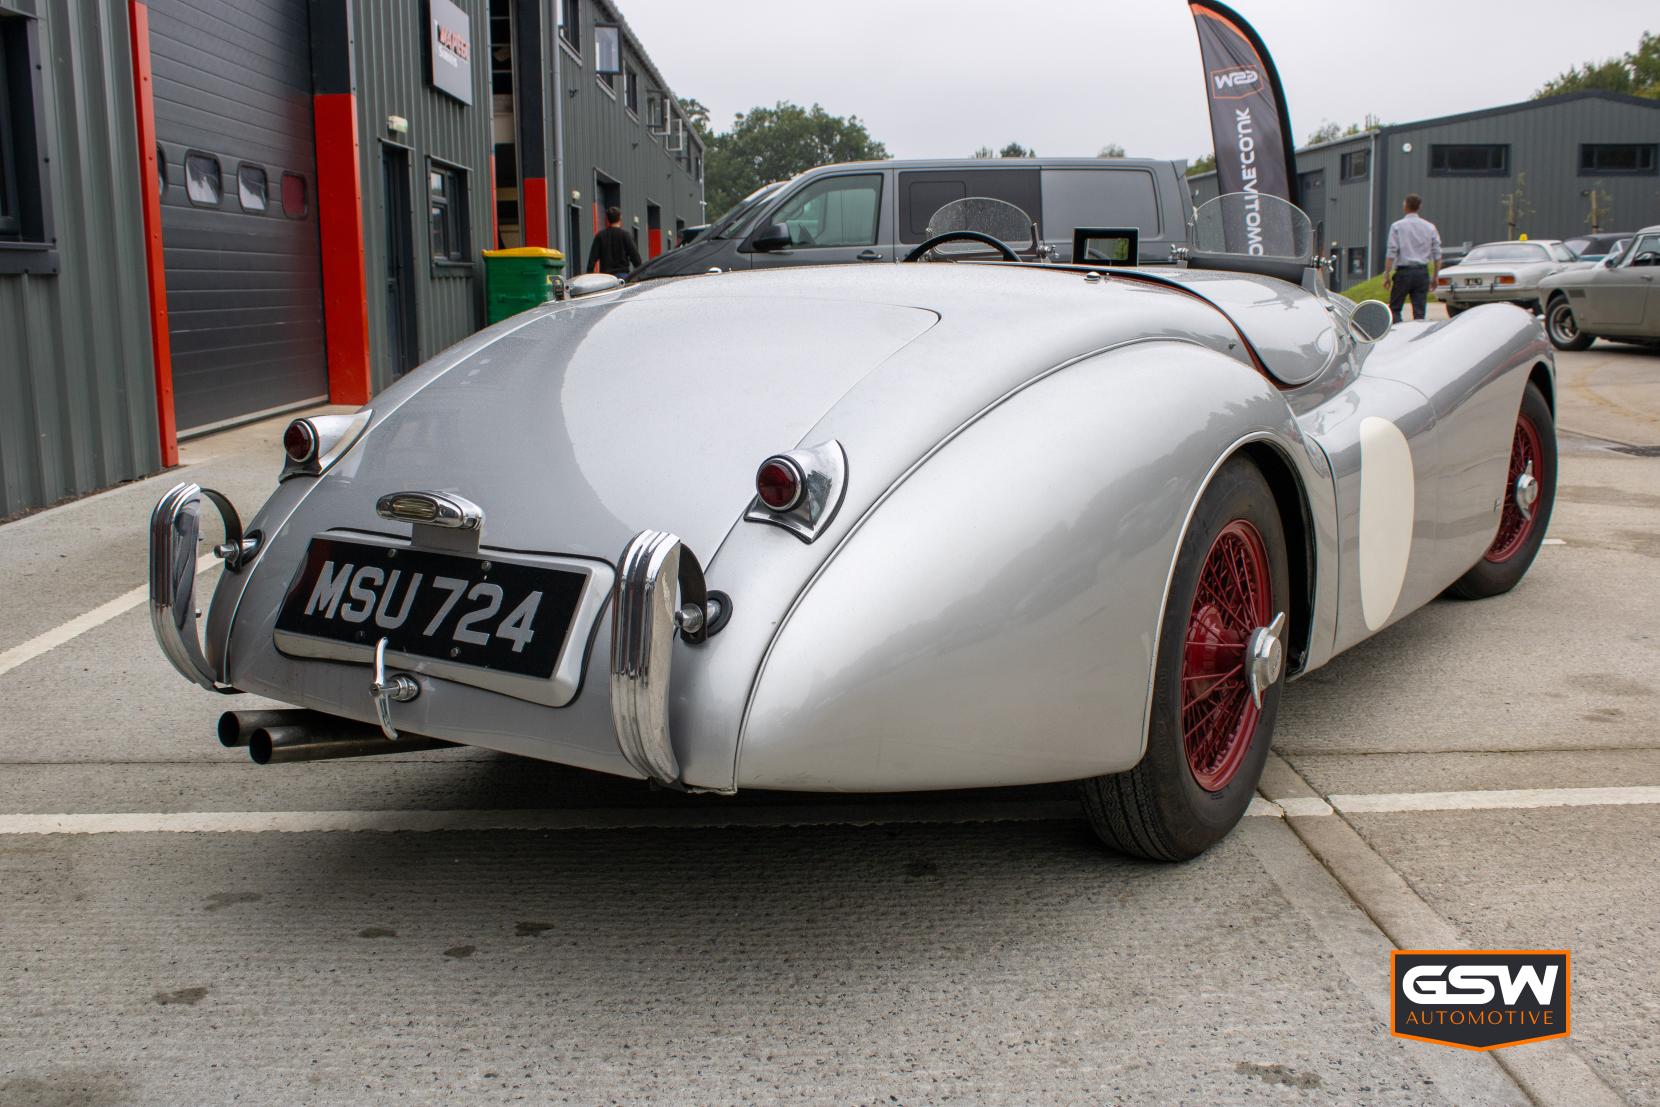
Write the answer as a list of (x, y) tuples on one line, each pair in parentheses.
[(698, 116), (776, 143), (1016, 150), (1111, 150), (1204, 163), (1636, 73)]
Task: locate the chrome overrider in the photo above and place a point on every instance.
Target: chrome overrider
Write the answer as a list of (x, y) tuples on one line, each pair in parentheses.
[(646, 614), (175, 530)]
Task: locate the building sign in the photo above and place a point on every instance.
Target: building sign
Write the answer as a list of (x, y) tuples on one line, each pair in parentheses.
[(452, 50)]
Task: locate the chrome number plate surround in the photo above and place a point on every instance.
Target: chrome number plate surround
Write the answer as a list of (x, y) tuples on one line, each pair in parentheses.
[(557, 690)]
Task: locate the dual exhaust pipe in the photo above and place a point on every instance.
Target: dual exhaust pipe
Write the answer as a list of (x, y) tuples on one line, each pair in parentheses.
[(294, 734)]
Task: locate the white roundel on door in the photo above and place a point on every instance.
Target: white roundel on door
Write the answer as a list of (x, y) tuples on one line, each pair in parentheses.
[(1387, 505)]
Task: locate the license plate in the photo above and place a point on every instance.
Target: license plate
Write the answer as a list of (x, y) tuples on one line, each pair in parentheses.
[(475, 611), (1473, 282)]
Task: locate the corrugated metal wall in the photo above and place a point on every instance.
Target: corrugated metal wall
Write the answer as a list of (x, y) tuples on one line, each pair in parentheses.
[(603, 137), (1544, 145), (392, 79), (77, 389)]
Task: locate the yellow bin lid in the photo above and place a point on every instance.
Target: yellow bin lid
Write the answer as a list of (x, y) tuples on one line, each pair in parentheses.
[(525, 252)]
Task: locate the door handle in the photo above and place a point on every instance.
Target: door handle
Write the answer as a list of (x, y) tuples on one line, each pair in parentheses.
[(869, 255)]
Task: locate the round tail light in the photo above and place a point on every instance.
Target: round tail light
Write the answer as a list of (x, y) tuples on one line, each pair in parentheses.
[(299, 442), (779, 483)]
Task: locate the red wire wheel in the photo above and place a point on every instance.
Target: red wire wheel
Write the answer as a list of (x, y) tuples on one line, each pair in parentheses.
[(1233, 599), (1514, 527)]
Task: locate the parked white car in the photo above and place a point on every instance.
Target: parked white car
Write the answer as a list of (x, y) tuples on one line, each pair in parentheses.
[(1502, 273)]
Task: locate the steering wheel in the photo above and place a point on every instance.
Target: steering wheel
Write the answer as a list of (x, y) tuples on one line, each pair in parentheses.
[(963, 236)]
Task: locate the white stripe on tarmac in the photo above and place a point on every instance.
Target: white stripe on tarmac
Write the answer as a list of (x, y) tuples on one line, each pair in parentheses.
[(711, 817), (1496, 799), (80, 624)]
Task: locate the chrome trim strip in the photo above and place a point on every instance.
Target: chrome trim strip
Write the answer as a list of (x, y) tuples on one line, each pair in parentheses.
[(555, 691), (823, 470), (175, 530)]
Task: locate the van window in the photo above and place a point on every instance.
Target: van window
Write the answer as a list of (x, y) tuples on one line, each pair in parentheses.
[(834, 211), (1075, 198), (923, 192)]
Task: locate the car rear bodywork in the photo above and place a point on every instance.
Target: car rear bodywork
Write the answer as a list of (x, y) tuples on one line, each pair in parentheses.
[(1023, 448)]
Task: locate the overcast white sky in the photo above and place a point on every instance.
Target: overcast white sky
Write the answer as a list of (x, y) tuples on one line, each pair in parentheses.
[(1068, 76)]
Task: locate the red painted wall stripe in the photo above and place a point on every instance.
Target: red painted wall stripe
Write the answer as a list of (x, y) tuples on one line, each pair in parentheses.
[(654, 241), (340, 218), (155, 262), (597, 226), (533, 211)]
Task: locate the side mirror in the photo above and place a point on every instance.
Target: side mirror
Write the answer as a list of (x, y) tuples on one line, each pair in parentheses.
[(1610, 261), (775, 237), (1370, 321)]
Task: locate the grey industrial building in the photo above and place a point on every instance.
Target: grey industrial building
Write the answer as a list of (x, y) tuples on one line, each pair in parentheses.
[(212, 210), (1531, 168)]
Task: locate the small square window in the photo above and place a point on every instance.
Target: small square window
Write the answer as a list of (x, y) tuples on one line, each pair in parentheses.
[(570, 24), (201, 179), (447, 213), (251, 184), (1355, 165), (295, 203), (1357, 261), (25, 200), (631, 89)]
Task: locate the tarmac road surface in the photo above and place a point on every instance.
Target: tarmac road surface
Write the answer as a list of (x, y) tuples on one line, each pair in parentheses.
[(180, 926)]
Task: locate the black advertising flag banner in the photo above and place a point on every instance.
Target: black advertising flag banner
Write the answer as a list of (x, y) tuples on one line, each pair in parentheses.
[(1248, 119)]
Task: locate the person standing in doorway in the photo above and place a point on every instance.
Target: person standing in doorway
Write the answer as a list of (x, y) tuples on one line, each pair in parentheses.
[(613, 250), (1413, 256)]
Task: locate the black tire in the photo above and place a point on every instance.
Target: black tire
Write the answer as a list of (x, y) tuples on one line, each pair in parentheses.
[(1563, 329), (1492, 577), (1158, 810)]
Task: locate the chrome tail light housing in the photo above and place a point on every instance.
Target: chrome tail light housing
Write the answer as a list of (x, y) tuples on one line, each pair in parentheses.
[(311, 445)]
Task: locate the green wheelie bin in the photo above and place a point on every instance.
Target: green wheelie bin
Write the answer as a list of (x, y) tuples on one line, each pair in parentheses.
[(520, 278)]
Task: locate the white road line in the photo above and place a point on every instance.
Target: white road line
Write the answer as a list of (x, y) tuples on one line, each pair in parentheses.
[(1496, 799), (1553, 542), (1304, 805), (80, 624)]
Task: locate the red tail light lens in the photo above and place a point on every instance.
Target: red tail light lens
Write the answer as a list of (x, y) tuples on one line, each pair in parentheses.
[(1442, 282), (299, 442), (779, 483), (1507, 280)]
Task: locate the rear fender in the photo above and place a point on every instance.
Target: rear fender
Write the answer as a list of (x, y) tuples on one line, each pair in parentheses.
[(993, 618)]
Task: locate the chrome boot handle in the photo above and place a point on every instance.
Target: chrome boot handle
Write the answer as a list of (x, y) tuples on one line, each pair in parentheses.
[(400, 688)]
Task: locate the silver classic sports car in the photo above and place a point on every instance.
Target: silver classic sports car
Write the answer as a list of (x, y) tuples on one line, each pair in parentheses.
[(924, 526), (1618, 298), (1502, 273)]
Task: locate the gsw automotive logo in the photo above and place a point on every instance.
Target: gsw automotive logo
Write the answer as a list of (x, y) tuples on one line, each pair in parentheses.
[(1479, 999), (1235, 83)]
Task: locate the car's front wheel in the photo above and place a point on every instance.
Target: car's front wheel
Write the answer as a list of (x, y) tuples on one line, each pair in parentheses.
[(1529, 493), (1220, 666), (1563, 328)]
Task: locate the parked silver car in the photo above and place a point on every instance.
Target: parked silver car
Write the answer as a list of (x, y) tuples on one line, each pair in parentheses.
[(1618, 299), (882, 528), (1502, 273), (1592, 249)]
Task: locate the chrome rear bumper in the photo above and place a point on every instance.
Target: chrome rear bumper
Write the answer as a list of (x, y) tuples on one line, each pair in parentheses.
[(646, 615), (175, 530)]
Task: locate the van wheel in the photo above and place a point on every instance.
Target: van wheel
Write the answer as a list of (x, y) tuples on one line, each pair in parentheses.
[(1208, 736)]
